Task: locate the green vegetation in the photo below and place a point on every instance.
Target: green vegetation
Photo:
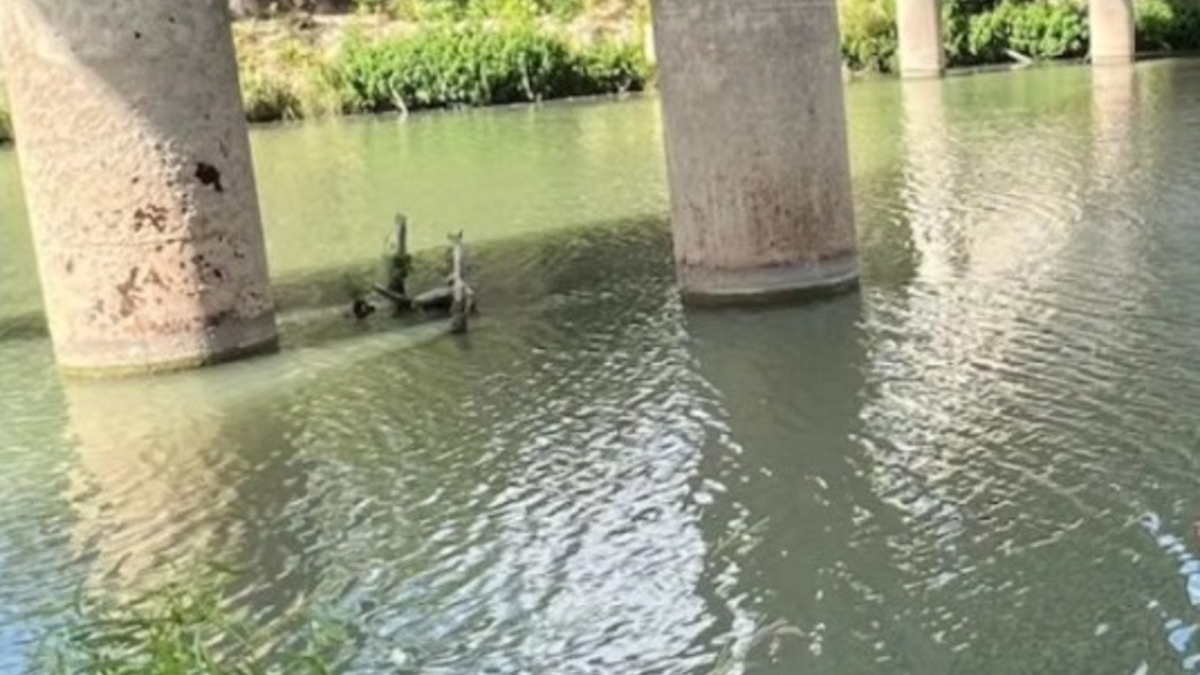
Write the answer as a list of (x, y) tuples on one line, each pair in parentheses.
[(868, 34), (458, 10), (473, 65), (974, 32), (984, 31), (283, 76), (442, 53), (1167, 25), (1038, 30), (181, 629), (413, 54)]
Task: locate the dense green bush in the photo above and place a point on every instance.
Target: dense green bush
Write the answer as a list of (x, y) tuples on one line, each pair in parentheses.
[(1040, 30), (974, 31), (500, 9), (868, 34), (956, 28), (612, 67), (472, 65), (444, 64), (1167, 25)]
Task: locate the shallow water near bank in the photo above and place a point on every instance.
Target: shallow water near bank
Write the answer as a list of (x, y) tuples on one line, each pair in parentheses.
[(985, 461)]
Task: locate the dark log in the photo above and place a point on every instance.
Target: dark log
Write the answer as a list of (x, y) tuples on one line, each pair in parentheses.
[(399, 262), (435, 299)]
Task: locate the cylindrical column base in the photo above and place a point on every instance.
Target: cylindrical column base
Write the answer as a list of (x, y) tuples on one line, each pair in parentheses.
[(136, 164), (1111, 26), (715, 287), (919, 36), (757, 154)]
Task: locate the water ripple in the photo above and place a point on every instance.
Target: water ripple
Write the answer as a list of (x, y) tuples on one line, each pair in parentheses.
[(983, 462)]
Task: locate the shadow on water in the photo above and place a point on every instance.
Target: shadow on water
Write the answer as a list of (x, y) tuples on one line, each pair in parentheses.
[(285, 466), (509, 275), (790, 532)]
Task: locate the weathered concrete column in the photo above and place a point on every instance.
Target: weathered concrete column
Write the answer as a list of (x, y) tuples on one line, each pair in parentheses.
[(757, 154), (919, 28), (1110, 24), (136, 165)]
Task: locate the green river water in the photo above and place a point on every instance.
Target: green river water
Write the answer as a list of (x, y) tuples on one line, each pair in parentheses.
[(985, 461)]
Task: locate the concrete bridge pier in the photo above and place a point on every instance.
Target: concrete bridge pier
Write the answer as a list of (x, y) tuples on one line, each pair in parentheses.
[(919, 34), (1111, 25), (136, 165), (757, 154)]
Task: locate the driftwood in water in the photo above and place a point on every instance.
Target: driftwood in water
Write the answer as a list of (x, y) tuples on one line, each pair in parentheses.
[(434, 299), (458, 287), (396, 298), (398, 264), (361, 309), (456, 297), (1022, 60)]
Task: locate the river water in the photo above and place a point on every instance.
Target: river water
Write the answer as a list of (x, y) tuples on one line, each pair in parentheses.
[(985, 461)]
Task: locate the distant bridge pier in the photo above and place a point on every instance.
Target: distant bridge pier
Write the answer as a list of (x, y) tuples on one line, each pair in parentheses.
[(919, 36), (136, 164), (757, 153), (1111, 26)]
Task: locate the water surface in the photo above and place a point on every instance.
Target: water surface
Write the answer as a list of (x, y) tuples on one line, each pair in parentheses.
[(983, 462)]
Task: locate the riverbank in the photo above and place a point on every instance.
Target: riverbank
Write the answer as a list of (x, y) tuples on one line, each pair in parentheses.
[(989, 33), (315, 66), (301, 66), (419, 54)]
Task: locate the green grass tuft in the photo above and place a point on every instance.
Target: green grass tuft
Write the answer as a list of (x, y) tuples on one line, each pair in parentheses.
[(181, 628)]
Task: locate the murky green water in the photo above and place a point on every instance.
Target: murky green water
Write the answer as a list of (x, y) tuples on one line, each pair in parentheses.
[(985, 462)]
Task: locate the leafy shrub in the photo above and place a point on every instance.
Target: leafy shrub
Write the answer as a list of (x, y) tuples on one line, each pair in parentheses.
[(428, 11), (1040, 30), (610, 67), (869, 34), (474, 65), (1153, 19), (285, 77), (458, 10), (956, 32), (1167, 25), (267, 97), (1050, 30)]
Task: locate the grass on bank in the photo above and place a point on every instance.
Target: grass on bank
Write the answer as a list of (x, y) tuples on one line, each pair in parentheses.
[(974, 32), (442, 64), (473, 65), (414, 54)]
